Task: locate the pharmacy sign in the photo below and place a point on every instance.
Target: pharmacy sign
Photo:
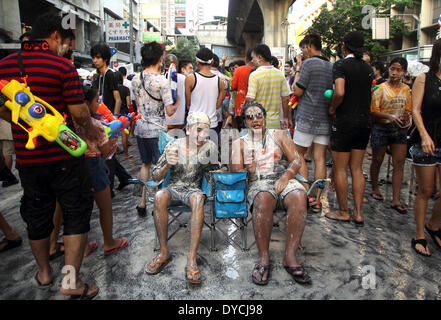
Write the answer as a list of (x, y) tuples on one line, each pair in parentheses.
[(117, 31)]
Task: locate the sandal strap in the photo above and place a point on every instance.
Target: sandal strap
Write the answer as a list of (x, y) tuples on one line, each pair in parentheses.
[(156, 263), (297, 269), (193, 272), (261, 269), (86, 289), (422, 242), (436, 233)]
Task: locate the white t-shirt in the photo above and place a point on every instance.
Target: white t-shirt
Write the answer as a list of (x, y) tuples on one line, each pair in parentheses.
[(179, 116)]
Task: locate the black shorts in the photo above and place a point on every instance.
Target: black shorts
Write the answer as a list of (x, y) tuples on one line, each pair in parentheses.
[(344, 139), (66, 181)]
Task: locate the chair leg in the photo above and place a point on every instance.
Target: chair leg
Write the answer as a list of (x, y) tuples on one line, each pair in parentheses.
[(213, 229)]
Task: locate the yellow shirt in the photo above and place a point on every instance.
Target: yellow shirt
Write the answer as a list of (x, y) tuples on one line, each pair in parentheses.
[(267, 85), (391, 100)]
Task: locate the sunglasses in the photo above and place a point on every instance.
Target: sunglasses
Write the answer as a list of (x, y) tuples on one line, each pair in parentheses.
[(257, 116)]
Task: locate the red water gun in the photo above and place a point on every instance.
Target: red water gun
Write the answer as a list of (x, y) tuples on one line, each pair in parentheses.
[(294, 101)]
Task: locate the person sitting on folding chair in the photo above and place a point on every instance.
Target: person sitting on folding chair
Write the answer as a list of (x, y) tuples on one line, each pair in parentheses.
[(271, 160), (188, 160)]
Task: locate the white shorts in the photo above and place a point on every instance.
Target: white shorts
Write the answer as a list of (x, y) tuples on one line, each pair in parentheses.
[(306, 139)]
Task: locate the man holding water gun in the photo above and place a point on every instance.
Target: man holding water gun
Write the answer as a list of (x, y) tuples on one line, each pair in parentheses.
[(49, 173)]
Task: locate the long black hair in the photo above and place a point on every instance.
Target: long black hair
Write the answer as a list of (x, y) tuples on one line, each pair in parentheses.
[(435, 57)]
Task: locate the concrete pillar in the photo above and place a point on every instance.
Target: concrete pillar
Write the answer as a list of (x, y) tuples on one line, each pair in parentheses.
[(10, 18), (79, 35), (251, 40), (426, 20), (274, 13)]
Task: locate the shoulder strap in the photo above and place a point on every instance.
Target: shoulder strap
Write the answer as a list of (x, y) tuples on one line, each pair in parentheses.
[(142, 82), (195, 81)]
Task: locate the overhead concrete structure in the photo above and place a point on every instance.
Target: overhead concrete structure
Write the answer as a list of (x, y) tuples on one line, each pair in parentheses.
[(253, 21)]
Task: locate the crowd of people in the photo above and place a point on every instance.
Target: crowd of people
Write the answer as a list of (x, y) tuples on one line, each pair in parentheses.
[(274, 142)]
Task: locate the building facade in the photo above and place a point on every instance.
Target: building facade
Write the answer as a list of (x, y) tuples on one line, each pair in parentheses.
[(88, 22)]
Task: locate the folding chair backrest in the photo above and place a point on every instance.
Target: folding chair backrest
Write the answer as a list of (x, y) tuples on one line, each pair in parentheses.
[(230, 194)]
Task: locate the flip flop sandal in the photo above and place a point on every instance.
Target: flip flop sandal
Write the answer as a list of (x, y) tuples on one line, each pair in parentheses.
[(58, 252), (84, 295), (422, 242), (303, 278), (11, 244), (192, 273), (162, 264), (399, 209), (261, 270), (93, 245), (142, 212), (336, 218), (40, 285), (377, 196), (123, 242), (317, 207), (434, 234)]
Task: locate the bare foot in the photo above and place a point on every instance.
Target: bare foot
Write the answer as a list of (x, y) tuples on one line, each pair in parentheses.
[(193, 274), (358, 217), (90, 247)]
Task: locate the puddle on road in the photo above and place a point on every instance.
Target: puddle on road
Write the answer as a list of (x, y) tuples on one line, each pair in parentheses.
[(230, 259)]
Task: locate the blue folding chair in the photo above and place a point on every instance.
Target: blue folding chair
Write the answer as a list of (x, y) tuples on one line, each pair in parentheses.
[(176, 209), (229, 190)]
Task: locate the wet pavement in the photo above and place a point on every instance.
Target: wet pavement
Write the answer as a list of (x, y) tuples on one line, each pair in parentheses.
[(336, 255)]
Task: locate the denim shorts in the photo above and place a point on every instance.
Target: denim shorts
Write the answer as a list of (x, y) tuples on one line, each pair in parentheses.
[(384, 135), (148, 149), (420, 158), (99, 173)]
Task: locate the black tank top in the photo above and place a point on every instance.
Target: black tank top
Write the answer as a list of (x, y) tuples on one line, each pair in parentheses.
[(431, 108)]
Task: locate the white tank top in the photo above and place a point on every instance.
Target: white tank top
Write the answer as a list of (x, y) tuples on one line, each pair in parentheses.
[(204, 96)]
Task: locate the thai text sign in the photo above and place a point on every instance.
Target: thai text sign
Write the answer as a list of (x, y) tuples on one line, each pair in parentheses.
[(117, 31)]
